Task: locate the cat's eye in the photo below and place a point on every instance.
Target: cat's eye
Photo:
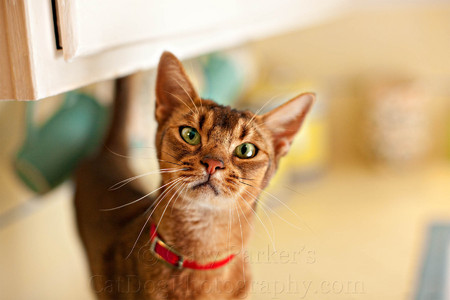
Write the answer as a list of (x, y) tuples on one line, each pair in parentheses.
[(246, 150), (190, 135)]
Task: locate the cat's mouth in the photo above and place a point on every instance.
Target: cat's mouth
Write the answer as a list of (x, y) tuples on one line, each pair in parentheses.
[(206, 185)]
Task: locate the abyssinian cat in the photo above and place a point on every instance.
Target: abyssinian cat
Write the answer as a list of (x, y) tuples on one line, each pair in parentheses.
[(184, 240)]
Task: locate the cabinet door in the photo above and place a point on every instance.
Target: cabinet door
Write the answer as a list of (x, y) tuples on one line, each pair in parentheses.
[(49, 47), (92, 26)]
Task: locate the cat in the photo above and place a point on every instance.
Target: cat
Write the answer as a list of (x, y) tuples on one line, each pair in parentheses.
[(214, 162)]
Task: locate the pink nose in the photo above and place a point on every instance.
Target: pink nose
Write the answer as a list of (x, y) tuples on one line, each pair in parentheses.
[(212, 165)]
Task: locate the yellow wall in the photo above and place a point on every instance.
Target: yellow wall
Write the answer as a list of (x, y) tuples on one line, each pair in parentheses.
[(405, 42)]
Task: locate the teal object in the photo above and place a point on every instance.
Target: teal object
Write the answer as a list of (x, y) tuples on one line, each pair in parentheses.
[(434, 278), (51, 152), (223, 78)]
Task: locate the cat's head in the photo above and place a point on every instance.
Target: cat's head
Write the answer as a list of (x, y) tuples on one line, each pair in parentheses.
[(215, 154)]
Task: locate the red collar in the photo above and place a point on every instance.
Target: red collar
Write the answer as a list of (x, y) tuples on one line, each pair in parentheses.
[(167, 254)]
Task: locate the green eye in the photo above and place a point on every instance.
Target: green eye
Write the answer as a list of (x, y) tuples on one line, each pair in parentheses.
[(190, 135), (245, 150)]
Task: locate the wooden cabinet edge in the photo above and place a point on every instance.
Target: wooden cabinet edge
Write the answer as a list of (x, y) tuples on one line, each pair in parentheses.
[(22, 83), (6, 89), (67, 23)]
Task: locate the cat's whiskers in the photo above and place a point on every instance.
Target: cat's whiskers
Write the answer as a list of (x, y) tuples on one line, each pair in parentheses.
[(181, 100), (278, 215), (243, 214), (179, 187), (258, 125), (184, 187), (278, 126), (242, 242), (229, 227), (243, 178), (267, 122), (131, 157), (152, 206), (276, 198), (195, 88), (154, 148), (161, 196), (293, 190), (260, 109), (157, 201), (238, 193), (187, 95), (128, 180), (169, 162), (271, 236), (255, 198), (139, 199)]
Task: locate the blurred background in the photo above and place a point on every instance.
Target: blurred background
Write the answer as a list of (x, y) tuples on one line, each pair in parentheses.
[(361, 206)]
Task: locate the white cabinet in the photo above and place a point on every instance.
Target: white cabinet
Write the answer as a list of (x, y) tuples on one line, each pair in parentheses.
[(101, 39)]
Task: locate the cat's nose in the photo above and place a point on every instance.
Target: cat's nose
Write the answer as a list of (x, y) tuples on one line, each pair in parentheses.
[(212, 165)]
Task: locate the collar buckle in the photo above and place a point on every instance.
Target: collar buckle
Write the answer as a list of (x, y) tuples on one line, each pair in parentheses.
[(157, 241)]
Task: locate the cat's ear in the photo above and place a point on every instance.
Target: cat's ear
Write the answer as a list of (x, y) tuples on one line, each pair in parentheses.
[(173, 87), (285, 121)]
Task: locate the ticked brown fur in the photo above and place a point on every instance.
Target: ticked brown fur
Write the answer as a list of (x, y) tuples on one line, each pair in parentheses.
[(203, 222)]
